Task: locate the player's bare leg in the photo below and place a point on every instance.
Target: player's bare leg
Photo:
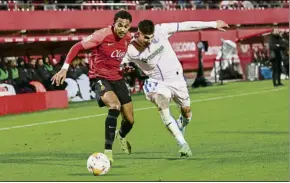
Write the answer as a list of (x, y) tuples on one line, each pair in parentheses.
[(162, 104), (111, 101), (126, 126), (184, 118)]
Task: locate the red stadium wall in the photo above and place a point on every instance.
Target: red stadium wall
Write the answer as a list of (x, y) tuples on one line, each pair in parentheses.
[(32, 102), (39, 20), (184, 44)]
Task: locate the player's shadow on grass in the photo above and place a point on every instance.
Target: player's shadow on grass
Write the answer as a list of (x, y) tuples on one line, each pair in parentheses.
[(46, 158), (121, 153), (164, 158), (90, 175), (38, 161), (253, 132), (80, 174), (183, 159), (157, 155)]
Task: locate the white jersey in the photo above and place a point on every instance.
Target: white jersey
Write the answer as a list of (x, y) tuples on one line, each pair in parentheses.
[(158, 60)]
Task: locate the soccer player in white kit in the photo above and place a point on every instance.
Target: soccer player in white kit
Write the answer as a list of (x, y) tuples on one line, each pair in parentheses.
[(151, 51)]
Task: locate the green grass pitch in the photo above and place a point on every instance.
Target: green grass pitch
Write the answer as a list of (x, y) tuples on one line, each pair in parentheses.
[(239, 132)]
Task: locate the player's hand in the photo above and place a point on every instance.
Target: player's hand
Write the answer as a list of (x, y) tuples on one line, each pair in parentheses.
[(59, 77), (126, 68), (221, 25), (129, 69)]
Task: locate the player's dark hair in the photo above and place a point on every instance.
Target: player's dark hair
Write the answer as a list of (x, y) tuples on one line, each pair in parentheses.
[(123, 15), (146, 27)]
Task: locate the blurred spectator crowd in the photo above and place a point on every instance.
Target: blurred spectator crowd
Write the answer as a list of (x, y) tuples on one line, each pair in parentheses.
[(263, 57), (29, 75), (22, 74), (66, 5), (261, 54)]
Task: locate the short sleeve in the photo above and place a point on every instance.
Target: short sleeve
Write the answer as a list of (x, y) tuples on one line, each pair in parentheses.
[(95, 39)]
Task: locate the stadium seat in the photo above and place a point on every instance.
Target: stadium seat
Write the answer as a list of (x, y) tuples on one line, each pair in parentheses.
[(38, 86)]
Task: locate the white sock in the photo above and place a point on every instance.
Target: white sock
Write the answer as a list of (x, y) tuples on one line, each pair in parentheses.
[(172, 126)]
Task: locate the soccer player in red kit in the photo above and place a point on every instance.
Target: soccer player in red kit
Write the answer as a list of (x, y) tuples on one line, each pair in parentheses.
[(108, 47)]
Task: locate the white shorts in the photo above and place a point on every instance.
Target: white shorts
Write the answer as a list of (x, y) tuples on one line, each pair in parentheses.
[(177, 90)]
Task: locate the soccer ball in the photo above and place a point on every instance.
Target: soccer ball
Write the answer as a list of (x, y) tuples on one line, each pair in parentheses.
[(98, 164)]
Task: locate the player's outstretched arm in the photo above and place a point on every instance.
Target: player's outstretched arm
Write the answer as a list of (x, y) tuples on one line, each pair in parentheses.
[(221, 25), (59, 77), (89, 42), (171, 28)]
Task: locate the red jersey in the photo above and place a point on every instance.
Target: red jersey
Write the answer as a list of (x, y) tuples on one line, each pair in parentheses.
[(107, 53)]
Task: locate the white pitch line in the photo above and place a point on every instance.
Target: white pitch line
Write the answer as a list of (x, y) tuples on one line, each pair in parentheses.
[(139, 109)]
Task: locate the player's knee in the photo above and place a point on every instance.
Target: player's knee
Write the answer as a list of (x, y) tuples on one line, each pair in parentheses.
[(114, 105), (161, 101), (129, 119), (186, 112), (131, 122)]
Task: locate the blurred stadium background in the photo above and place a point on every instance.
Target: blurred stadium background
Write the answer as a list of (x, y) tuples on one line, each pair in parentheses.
[(48, 29), (36, 35)]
